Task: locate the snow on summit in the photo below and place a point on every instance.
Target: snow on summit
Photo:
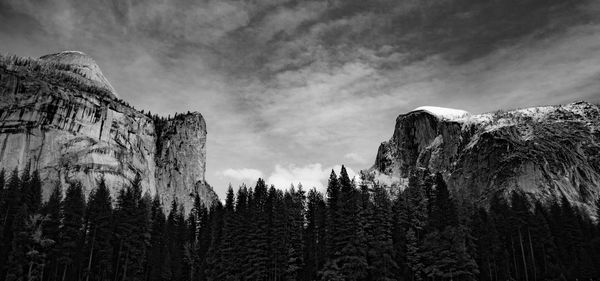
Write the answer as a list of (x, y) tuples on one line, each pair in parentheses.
[(443, 112)]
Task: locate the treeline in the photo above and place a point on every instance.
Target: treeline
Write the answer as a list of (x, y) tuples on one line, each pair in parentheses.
[(353, 232)]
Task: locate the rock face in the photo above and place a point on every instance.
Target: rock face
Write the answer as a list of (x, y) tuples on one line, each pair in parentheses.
[(83, 65), (69, 128), (547, 152), (181, 157)]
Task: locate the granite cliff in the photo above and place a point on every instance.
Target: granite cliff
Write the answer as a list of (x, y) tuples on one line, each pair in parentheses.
[(547, 152), (60, 114)]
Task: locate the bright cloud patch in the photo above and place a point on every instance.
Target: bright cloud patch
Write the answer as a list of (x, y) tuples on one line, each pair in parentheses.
[(311, 175), (243, 174), (355, 157)]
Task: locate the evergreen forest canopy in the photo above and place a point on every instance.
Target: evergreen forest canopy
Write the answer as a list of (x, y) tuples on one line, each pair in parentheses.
[(353, 232)]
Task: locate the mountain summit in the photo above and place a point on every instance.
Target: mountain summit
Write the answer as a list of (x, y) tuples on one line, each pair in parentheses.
[(59, 115), (547, 152), (83, 65)]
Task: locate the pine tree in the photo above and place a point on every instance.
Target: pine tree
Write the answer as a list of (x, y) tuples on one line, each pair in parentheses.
[(400, 225), (131, 233), (99, 230), (213, 266), (543, 244), (314, 234), (176, 238), (277, 231), (33, 192), (2, 182), (71, 233), (445, 249), (17, 258), (27, 259), (349, 259), (228, 250), (258, 239), (503, 254), (2, 226), (157, 248), (333, 219), (381, 250), (11, 203), (52, 211), (294, 201), (443, 209)]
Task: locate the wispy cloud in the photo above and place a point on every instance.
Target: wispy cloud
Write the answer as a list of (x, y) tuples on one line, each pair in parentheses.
[(301, 82), (356, 158)]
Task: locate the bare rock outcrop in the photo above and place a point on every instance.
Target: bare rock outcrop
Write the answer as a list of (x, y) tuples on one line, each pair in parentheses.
[(547, 152), (53, 118)]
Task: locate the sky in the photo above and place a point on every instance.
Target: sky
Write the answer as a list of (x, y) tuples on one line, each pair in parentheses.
[(292, 89)]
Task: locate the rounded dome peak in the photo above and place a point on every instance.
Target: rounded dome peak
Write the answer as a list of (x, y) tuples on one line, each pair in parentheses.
[(85, 64)]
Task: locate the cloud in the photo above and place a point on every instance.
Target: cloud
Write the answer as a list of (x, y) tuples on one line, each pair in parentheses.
[(243, 174), (356, 158), (311, 175), (309, 81)]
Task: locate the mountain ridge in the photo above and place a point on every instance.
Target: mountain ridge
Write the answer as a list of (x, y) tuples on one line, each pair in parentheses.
[(547, 152), (71, 127)]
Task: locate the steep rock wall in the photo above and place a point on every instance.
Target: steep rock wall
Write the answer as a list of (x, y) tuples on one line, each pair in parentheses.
[(547, 152), (69, 131), (181, 158)]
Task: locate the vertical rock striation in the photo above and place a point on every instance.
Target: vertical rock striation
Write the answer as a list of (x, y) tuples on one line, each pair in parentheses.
[(181, 158), (65, 120)]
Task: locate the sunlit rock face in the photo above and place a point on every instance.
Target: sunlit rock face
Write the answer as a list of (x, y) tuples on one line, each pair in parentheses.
[(70, 129), (181, 158), (83, 65), (547, 152)]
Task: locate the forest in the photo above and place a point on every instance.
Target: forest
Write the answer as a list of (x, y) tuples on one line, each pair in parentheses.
[(355, 231)]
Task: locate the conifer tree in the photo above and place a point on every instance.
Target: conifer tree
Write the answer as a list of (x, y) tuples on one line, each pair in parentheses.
[(228, 250), (443, 209), (157, 247), (213, 265), (502, 256), (9, 208), (416, 219), (52, 212), (381, 256), (17, 258), (2, 182), (314, 237), (258, 239), (98, 248), (131, 232), (349, 259), (400, 225), (71, 233), (294, 202), (333, 219)]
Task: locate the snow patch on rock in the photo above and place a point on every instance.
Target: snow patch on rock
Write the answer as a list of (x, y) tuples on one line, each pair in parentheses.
[(444, 113)]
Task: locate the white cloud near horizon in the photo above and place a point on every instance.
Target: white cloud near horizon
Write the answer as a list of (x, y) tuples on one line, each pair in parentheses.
[(311, 175), (242, 174)]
